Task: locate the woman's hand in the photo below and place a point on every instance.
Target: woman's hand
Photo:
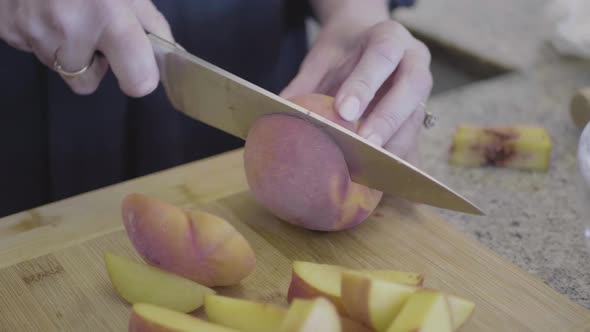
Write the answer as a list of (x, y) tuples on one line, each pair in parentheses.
[(377, 72), (69, 32)]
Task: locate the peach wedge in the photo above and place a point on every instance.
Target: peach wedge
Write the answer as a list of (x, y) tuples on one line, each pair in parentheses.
[(139, 282), (310, 280), (461, 310), (424, 311), (314, 315), (150, 318), (251, 316), (373, 301), (194, 244), (244, 315)]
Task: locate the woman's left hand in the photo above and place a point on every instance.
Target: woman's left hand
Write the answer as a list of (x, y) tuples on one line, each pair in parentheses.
[(377, 72)]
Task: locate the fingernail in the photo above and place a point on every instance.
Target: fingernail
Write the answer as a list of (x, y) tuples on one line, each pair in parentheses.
[(350, 108), (375, 139)]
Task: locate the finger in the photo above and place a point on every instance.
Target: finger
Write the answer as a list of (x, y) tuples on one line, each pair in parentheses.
[(412, 84), (88, 81), (13, 26), (152, 19), (10, 35), (18, 43), (380, 58), (129, 53), (405, 140), (313, 69), (334, 78), (77, 53), (30, 33), (63, 37), (84, 83)]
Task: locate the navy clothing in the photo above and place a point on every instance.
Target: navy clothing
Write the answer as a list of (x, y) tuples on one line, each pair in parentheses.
[(55, 144)]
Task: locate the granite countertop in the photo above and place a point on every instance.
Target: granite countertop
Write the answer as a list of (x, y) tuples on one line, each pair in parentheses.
[(534, 219), (509, 34)]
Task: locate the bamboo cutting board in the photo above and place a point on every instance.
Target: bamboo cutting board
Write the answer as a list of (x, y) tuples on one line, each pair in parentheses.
[(52, 274)]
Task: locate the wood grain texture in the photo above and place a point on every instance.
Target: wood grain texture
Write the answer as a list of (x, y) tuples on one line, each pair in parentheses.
[(52, 274)]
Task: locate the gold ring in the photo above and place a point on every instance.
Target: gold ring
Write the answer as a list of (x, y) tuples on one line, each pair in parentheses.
[(66, 73)]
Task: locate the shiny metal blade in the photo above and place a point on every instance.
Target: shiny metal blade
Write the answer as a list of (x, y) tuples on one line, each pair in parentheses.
[(222, 100)]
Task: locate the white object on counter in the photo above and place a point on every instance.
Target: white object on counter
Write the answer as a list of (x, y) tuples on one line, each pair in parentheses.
[(584, 155), (570, 20), (584, 183)]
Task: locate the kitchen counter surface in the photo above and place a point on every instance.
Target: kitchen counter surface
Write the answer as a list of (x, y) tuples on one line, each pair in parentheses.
[(533, 219), (511, 35)]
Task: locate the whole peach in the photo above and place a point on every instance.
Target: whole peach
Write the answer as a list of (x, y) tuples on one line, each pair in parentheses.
[(299, 173)]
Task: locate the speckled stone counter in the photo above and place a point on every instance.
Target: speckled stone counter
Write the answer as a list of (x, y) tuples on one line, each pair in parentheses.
[(509, 34), (532, 219)]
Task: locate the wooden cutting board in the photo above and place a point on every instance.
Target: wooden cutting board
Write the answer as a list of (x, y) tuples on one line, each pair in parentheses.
[(52, 274)]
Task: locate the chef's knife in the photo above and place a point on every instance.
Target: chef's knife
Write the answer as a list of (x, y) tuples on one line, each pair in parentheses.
[(222, 100)]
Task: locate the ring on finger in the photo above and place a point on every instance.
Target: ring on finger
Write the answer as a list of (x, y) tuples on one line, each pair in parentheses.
[(58, 67), (429, 118)]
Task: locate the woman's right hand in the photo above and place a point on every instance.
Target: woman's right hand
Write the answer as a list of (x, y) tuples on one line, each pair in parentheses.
[(70, 32)]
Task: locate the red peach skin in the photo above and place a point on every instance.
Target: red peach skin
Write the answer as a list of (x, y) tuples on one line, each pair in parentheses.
[(299, 174), (194, 244)]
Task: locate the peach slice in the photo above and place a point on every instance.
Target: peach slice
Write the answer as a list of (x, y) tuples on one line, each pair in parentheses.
[(516, 147), (310, 280), (244, 315), (317, 314), (252, 316), (151, 318), (461, 310), (372, 301), (138, 282), (424, 311), (192, 243), (350, 325)]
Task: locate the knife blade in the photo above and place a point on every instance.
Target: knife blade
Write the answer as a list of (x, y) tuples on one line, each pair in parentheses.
[(229, 103)]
